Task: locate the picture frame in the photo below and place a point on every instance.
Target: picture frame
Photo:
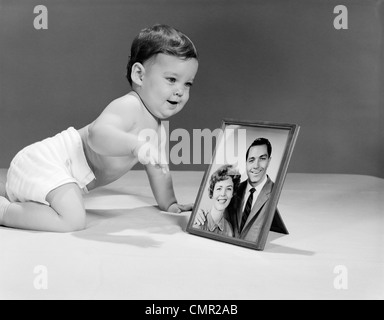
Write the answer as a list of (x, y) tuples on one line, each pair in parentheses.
[(219, 211)]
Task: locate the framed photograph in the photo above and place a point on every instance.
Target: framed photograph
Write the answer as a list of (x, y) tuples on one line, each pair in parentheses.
[(238, 196)]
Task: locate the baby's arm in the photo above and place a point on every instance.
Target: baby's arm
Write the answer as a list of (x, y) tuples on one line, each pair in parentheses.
[(161, 181), (162, 188)]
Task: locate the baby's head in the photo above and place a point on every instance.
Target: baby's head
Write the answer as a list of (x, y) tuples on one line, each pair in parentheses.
[(161, 69), (159, 39)]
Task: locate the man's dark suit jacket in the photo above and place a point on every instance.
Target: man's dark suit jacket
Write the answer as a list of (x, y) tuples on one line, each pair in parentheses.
[(257, 215)]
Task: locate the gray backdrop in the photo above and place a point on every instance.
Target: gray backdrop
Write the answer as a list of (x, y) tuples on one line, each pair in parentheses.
[(260, 60)]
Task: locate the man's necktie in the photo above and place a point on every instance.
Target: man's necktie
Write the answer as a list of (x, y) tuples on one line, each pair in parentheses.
[(247, 209)]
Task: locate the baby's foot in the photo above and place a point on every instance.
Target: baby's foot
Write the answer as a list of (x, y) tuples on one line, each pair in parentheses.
[(4, 203)]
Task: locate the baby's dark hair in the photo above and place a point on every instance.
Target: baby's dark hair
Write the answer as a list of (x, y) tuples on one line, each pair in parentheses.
[(159, 38), (223, 173)]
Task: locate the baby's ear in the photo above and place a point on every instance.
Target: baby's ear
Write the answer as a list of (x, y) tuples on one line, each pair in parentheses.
[(137, 73)]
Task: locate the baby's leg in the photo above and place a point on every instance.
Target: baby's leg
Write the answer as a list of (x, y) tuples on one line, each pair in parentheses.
[(66, 212)]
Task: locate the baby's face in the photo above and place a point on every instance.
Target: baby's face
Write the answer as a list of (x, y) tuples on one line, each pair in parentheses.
[(166, 84)]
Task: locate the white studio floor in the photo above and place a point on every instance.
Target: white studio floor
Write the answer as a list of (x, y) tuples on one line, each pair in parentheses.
[(131, 250)]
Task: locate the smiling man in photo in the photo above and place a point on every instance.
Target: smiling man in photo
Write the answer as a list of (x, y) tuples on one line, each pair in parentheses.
[(248, 207)]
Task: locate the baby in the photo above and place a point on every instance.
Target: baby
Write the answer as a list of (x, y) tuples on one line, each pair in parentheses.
[(46, 180)]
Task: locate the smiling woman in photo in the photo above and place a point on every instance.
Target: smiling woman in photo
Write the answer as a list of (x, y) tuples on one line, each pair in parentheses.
[(222, 187)]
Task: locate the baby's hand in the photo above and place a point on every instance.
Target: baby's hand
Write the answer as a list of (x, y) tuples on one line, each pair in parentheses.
[(149, 154), (178, 208)]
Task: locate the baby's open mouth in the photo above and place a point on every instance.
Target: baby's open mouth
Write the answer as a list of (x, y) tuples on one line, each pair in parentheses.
[(172, 102)]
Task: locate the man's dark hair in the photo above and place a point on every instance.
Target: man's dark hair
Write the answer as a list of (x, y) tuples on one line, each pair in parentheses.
[(260, 142)]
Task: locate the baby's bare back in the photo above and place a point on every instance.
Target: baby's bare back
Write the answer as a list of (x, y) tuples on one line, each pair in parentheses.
[(106, 169)]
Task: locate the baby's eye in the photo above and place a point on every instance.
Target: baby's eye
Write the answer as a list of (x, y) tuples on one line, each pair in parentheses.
[(171, 80), (189, 84)]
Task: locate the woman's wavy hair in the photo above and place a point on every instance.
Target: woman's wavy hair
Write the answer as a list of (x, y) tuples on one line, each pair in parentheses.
[(223, 173)]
